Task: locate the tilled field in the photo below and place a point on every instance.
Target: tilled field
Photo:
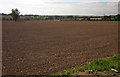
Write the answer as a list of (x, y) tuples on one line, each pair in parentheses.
[(47, 47)]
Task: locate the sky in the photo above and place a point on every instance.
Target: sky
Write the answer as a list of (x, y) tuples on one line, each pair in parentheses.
[(61, 7)]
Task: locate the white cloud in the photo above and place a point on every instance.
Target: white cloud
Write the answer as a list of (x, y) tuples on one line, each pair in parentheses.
[(60, 6)]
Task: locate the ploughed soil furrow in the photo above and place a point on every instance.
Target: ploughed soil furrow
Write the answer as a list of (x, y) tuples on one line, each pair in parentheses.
[(47, 47)]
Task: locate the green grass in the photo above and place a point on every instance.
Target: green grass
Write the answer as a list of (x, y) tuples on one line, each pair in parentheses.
[(103, 64)]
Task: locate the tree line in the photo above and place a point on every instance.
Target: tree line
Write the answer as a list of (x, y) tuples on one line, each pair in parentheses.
[(16, 16)]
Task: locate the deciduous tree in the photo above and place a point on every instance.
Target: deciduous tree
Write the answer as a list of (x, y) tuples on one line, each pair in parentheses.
[(15, 14)]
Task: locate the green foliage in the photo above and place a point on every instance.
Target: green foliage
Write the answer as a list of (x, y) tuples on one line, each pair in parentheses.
[(15, 14), (67, 73), (97, 65), (102, 64)]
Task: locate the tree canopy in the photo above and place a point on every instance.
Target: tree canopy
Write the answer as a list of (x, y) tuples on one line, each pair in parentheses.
[(15, 14)]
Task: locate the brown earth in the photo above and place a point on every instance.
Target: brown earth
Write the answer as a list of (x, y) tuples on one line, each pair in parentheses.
[(47, 47)]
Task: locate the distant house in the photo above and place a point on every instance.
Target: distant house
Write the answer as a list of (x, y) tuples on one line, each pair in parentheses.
[(93, 19)]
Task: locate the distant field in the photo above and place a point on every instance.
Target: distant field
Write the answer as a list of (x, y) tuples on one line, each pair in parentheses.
[(47, 47)]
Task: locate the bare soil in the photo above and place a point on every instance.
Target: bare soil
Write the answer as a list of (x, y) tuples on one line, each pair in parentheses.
[(47, 47)]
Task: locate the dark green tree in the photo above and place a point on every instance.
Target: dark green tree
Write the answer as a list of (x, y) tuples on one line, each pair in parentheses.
[(15, 14)]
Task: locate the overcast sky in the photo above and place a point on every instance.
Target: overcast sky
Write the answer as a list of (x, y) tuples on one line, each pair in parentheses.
[(61, 7)]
